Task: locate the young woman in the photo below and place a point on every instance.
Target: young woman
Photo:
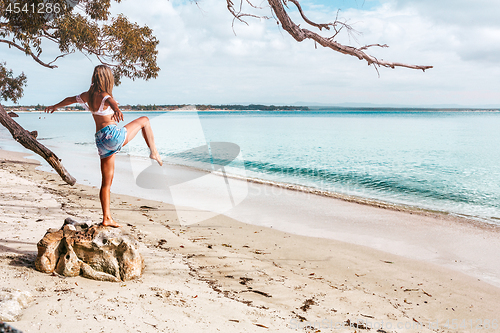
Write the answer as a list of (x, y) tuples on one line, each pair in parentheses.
[(109, 138)]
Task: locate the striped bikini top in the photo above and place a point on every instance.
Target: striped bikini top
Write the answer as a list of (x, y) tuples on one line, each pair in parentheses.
[(101, 111)]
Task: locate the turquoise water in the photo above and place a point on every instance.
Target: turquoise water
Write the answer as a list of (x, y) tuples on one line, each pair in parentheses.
[(447, 161)]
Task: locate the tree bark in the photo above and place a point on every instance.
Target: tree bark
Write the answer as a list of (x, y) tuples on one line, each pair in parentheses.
[(26, 139)]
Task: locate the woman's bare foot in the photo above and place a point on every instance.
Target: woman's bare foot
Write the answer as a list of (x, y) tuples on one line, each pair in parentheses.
[(156, 156), (110, 223)]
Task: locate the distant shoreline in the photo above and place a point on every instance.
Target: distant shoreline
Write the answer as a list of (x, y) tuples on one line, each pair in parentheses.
[(184, 107), (313, 110)]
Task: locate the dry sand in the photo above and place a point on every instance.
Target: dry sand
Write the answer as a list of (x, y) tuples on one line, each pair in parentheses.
[(222, 275)]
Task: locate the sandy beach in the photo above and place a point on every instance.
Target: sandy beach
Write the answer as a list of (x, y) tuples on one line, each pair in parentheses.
[(223, 275)]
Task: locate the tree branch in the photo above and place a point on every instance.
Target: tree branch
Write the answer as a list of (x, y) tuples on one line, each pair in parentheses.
[(238, 15), (60, 56), (300, 34), (367, 46), (28, 52), (319, 26)]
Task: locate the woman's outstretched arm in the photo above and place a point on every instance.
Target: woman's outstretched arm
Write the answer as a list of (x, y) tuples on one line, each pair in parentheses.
[(65, 102)]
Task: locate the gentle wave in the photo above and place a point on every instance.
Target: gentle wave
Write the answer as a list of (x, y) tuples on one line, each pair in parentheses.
[(266, 169), (341, 196), (354, 179)]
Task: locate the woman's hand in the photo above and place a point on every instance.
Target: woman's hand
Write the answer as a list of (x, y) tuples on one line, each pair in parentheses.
[(117, 116), (50, 109)]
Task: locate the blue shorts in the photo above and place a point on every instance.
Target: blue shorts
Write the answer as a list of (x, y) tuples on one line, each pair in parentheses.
[(110, 139)]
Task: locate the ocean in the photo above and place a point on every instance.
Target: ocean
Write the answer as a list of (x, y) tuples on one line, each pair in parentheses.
[(435, 160)]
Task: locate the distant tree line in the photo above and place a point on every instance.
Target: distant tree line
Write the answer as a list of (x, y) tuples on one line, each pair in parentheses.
[(154, 107), (251, 107), (139, 107), (38, 107), (207, 107)]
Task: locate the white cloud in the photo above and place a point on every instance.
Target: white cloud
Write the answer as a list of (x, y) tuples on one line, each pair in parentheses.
[(466, 13), (473, 28)]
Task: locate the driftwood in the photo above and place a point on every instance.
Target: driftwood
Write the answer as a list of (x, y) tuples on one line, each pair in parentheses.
[(28, 141)]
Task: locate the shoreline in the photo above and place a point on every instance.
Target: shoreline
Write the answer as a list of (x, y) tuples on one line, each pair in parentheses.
[(416, 204), (398, 207), (415, 234), (220, 274), (314, 110), (340, 226), (481, 222)]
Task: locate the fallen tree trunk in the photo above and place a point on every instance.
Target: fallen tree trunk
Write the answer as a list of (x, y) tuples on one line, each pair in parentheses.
[(26, 139)]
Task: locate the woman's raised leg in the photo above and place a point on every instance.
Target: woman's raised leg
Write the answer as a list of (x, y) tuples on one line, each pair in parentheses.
[(143, 124), (107, 172)]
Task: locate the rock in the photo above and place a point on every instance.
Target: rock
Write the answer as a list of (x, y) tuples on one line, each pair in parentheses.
[(93, 251), (12, 302), (13, 114)]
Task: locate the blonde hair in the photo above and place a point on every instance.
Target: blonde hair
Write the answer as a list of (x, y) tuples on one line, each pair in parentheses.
[(102, 81)]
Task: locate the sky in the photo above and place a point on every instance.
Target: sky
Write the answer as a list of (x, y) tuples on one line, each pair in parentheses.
[(204, 59)]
